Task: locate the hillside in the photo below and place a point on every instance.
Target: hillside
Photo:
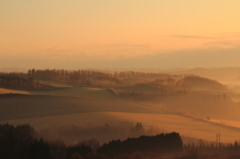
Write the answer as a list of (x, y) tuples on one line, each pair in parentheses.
[(84, 104), (197, 82), (59, 117)]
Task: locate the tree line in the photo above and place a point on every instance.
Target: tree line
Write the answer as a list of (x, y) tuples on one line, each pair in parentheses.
[(58, 74), (162, 143), (30, 79), (84, 76), (20, 81), (21, 142), (200, 82), (88, 76)]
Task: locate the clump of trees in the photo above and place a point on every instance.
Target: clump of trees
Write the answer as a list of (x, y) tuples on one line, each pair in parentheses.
[(162, 143), (88, 77), (20, 81), (163, 82), (81, 77), (193, 81), (21, 142), (14, 141)]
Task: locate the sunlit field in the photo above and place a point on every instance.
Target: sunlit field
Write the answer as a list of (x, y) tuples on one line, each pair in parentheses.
[(119, 79), (102, 107), (187, 127), (55, 84), (52, 112), (194, 128), (9, 91), (77, 91)]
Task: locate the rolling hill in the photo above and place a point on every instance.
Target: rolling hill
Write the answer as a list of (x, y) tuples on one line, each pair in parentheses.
[(56, 113)]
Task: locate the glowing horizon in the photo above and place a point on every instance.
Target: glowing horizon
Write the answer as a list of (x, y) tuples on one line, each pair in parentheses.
[(93, 33)]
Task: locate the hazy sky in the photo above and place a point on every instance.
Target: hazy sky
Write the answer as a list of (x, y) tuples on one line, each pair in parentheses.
[(76, 34)]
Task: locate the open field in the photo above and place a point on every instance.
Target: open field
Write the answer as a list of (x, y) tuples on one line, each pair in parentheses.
[(32, 106), (74, 113), (48, 112), (195, 128), (77, 91), (66, 91), (187, 127), (8, 91), (55, 84)]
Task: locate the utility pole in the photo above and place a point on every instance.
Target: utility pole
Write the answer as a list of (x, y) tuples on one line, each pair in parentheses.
[(218, 139)]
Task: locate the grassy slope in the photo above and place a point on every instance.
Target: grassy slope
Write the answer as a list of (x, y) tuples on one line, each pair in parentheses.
[(185, 126), (8, 91), (66, 91), (55, 84), (164, 122), (31, 106), (77, 91), (49, 111)]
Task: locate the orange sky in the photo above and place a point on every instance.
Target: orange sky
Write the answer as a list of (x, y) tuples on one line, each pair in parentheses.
[(94, 34)]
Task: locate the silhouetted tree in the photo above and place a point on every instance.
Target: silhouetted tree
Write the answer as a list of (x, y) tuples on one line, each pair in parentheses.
[(95, 155), (57, 149), (92, 143), (75, 155), (137, 130), (39, 149), (15, 141), (236, 145), (82, 150), (159, 143)]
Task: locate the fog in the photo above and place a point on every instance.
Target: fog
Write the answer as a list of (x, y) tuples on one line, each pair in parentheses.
[(76, 105)]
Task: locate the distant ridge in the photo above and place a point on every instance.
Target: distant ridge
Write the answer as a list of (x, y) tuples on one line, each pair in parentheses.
[(201, 82)]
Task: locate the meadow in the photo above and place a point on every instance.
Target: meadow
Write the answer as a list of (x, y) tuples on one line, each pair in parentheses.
[(52, 112), (107, 107)]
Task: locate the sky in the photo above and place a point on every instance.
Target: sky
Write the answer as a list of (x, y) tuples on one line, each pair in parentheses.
[(77, 34)]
